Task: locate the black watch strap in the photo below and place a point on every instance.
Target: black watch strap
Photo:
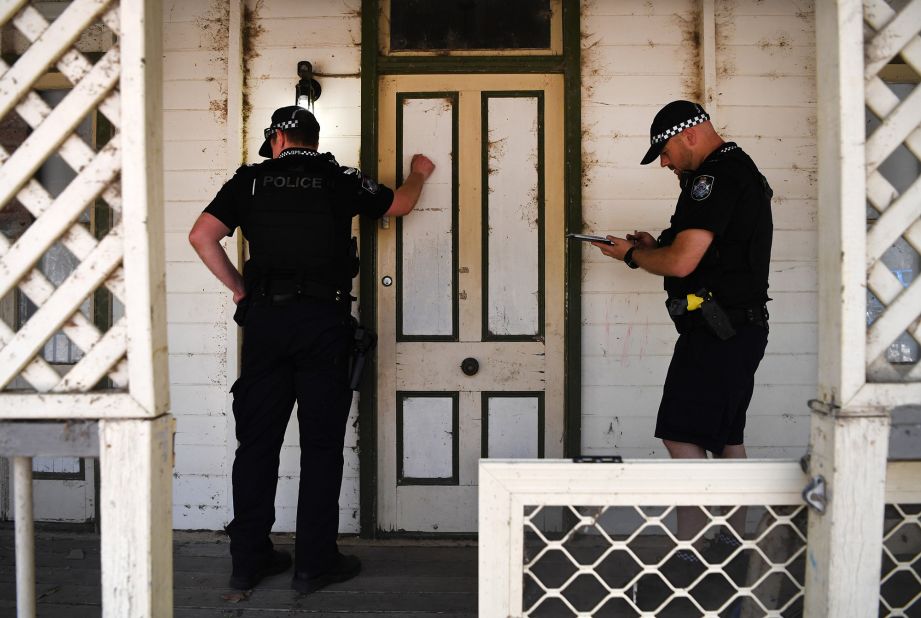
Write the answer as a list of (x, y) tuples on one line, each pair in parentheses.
[(628, 258)]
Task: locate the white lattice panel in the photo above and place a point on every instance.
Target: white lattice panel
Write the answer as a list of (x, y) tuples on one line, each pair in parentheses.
[(893, 152), (84, 219), (561, 539)]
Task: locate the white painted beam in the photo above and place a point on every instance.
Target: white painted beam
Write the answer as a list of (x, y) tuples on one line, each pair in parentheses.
[(844, 549), (136, 472), (33, 406), (142, 194), (849, 442), (842, 200)]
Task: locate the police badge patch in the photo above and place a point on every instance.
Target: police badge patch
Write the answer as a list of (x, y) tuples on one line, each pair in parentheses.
[(701, 187), (368, 184)]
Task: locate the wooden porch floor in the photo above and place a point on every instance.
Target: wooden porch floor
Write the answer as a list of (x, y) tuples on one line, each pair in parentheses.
[(399, 578)]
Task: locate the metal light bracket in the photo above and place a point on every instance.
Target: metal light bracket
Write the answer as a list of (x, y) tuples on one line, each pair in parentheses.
[(308, 89)]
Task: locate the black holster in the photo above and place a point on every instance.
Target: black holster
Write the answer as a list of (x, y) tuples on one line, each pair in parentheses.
[(239, 316), (363, 343), (715, 318), (709, 312)]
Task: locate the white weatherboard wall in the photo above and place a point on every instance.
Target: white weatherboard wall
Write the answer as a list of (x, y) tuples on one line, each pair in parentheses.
[(636, 56), (276, 35), (195, 166), (326, 33)]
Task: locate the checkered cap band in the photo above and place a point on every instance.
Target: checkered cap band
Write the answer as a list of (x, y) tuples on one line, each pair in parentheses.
[(285, 124), (678, 128)]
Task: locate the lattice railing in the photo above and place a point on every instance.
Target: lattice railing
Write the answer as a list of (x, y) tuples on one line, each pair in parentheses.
[(900, 587), (561, 539), (37, 218), (628, 561), (82, 290), (893, 152)]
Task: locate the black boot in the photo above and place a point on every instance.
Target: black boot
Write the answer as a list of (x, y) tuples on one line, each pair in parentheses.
[(246, 578), (345, 568)]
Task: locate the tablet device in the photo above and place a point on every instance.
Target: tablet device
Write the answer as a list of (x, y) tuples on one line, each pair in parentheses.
[(590, 238)]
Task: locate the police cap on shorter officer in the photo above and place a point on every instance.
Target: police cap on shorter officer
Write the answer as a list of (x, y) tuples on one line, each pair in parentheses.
[(670, 121)]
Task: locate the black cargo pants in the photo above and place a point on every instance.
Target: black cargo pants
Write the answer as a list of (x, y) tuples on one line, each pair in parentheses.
[(292, 351)]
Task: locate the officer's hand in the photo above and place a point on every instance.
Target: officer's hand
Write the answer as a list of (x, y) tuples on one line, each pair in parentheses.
[(616, 250), (238, 296), (423, 165), (643, 240)]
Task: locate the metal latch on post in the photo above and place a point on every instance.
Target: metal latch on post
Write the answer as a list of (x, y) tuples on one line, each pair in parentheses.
[(814, 494)]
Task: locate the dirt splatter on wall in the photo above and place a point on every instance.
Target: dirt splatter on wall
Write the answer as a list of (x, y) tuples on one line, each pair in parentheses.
[(252, 33), (636, 56)]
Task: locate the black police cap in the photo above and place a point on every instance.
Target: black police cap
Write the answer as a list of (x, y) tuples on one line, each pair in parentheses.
[(672, 120), (289, 117)]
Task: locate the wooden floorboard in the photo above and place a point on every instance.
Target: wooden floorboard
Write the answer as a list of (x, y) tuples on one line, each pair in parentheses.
[(419, 579)]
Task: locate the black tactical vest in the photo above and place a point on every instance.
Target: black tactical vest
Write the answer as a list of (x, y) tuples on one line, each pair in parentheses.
[(296, 234)]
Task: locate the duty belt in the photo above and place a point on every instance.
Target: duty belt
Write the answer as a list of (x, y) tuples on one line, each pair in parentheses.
[(702, 306), (752, 315), (301, 291)]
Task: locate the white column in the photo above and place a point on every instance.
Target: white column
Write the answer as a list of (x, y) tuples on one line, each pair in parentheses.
[(136, 485), (849, 441)]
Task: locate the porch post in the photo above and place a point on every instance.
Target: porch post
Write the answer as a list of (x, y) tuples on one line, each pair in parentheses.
[(849, 437), (136, 489)]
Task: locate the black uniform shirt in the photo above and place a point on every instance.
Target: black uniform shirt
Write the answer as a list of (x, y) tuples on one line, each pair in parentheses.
[(728, 196), (356, 193), (296, 212)]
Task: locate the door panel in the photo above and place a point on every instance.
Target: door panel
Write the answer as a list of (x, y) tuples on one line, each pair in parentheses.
[(427, 243), (478, 267), (512, 203)]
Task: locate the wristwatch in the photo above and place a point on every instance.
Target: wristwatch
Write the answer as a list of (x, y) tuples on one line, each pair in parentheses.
[(628, 258)]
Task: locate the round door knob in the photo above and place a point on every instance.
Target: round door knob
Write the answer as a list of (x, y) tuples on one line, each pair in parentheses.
[(470, 366)]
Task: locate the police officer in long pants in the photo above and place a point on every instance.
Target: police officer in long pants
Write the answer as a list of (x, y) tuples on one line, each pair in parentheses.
[(715, 259), (293, 303)]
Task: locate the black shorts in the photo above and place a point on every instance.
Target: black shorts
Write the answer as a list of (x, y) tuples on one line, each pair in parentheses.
[(709, 386)]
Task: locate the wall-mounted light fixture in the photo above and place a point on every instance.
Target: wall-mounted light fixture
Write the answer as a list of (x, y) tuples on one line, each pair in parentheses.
[(308, 89)]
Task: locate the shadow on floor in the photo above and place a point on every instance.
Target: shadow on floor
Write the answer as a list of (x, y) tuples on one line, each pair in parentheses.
[(399, 578)]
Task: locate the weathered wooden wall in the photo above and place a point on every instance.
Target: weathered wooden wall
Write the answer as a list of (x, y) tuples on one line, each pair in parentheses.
[(637, 56), (195, 73), (276, 35)]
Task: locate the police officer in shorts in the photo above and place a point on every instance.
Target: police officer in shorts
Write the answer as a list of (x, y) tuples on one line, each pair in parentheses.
[(293, 303), (715, 259)]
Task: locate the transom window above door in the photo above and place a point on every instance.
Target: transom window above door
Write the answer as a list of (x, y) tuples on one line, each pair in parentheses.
[(470, 27)]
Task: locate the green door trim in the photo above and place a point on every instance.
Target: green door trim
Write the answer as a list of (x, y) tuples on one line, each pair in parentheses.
[(372, 67)]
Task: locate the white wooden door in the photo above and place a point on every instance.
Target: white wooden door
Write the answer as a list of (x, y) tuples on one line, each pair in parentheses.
[(475, 272)]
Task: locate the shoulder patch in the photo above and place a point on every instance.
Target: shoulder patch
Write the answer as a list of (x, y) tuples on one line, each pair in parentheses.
[(368, 184), (701, 187)]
